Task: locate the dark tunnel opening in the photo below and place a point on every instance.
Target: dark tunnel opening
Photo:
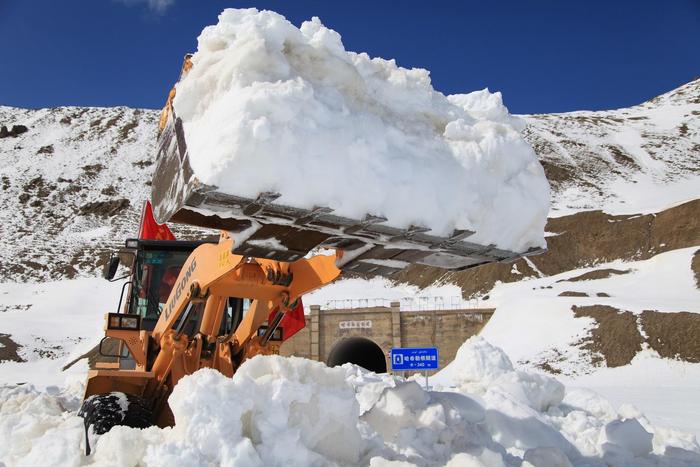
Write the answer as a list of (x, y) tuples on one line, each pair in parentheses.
[(360, 351)]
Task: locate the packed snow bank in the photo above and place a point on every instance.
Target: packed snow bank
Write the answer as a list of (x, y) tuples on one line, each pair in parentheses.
[(270, 107), (292, 411)]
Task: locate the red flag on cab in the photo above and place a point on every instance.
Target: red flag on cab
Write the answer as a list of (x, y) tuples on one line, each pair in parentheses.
[(292, 322), (150, 229)]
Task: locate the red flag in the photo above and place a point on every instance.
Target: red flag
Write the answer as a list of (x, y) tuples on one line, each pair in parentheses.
[(150, 229), (292, 322)]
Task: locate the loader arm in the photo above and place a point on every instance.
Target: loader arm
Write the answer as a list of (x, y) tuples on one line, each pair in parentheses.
[(213, 273)]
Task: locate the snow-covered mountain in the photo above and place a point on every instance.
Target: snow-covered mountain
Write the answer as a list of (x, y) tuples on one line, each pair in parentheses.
[(72, 187), (74, 182), (639, 159)]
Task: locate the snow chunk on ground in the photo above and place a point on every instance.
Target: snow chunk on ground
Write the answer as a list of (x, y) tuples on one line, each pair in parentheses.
[(293, 411), (630, 435), (37, 429), (275, 411), (479, 367), (289, 110)]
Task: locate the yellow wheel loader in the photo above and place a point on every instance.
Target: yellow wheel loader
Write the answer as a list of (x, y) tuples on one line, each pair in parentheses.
[(205, 304)]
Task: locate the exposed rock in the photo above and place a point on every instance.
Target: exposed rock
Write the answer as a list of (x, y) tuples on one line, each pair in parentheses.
[(105, 208), (569, 293), (45, 149), (8, 349), (16, 130), (615, 340), (109, 191), (597, 274), (695, 266), (94, 169), (673, 335), (127, 129)]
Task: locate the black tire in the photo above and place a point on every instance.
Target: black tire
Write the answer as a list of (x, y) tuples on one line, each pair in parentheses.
[(104, 411)]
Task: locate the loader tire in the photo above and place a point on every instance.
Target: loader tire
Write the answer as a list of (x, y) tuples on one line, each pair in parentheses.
[(104, 411)]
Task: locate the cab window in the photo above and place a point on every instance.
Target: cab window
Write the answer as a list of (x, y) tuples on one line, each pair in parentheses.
[(156, 272)]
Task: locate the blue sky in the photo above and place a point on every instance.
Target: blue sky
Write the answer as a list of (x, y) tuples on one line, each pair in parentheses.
[(544, 55)]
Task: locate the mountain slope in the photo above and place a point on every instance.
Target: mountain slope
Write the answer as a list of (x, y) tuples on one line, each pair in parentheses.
[(71, 187), (73, 184), (635, 160)]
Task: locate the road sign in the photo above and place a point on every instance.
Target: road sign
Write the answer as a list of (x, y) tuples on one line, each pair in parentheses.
[(417, 358)]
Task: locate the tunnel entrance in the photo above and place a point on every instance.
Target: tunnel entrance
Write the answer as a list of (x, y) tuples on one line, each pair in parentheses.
[(360, 351)]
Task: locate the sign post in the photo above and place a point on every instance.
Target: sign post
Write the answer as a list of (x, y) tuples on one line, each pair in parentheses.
[(415, 358)]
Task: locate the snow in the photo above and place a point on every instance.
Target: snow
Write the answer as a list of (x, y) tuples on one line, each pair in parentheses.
[(62, 321), (488, 407), (508, 410), (629, 435), (99, 155), (641, 159), (290, 110), (669, 398), (664, 282), (639, 193), (293, 411), (268, 243), (379, 291)]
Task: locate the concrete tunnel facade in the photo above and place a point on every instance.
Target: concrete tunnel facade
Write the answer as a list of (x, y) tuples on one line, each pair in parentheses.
[(360, 335)]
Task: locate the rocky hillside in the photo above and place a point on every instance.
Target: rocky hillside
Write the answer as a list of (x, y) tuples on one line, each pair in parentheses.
[(73, 181), (639, 159)]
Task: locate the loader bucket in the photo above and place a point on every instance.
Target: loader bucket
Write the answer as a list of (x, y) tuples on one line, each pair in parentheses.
[(267, 229)]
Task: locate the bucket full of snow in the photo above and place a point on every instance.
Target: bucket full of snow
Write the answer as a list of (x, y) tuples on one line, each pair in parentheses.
[(281, 135)]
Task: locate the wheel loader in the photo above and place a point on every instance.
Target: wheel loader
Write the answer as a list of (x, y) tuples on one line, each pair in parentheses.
[(218, 303)]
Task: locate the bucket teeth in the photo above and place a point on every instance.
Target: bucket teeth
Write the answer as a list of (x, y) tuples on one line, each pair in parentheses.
[(263, 199), (409, 233), (313, 215), (368, 220), (456, 236)]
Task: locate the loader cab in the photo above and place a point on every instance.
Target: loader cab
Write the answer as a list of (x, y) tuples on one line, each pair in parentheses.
[(155, 266)]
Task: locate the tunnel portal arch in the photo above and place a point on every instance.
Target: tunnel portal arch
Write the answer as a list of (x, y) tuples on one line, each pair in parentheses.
[(360, 351)]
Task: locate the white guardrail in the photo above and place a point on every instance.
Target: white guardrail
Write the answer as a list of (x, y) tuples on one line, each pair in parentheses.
[(407, 303)]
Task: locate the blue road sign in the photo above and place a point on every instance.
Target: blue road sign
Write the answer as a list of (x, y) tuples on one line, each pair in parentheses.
[(418, 358)]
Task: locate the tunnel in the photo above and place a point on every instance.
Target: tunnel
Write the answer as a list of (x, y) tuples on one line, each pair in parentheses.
[(360, 351)]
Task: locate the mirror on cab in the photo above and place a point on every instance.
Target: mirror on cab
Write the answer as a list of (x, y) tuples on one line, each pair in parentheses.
[(110, 268)]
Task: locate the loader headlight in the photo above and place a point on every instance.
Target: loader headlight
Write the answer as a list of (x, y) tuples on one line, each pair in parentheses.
[(123, 322)]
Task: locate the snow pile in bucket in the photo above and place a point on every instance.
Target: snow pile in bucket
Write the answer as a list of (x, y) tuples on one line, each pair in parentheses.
[(292, 411), (271, 107)]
